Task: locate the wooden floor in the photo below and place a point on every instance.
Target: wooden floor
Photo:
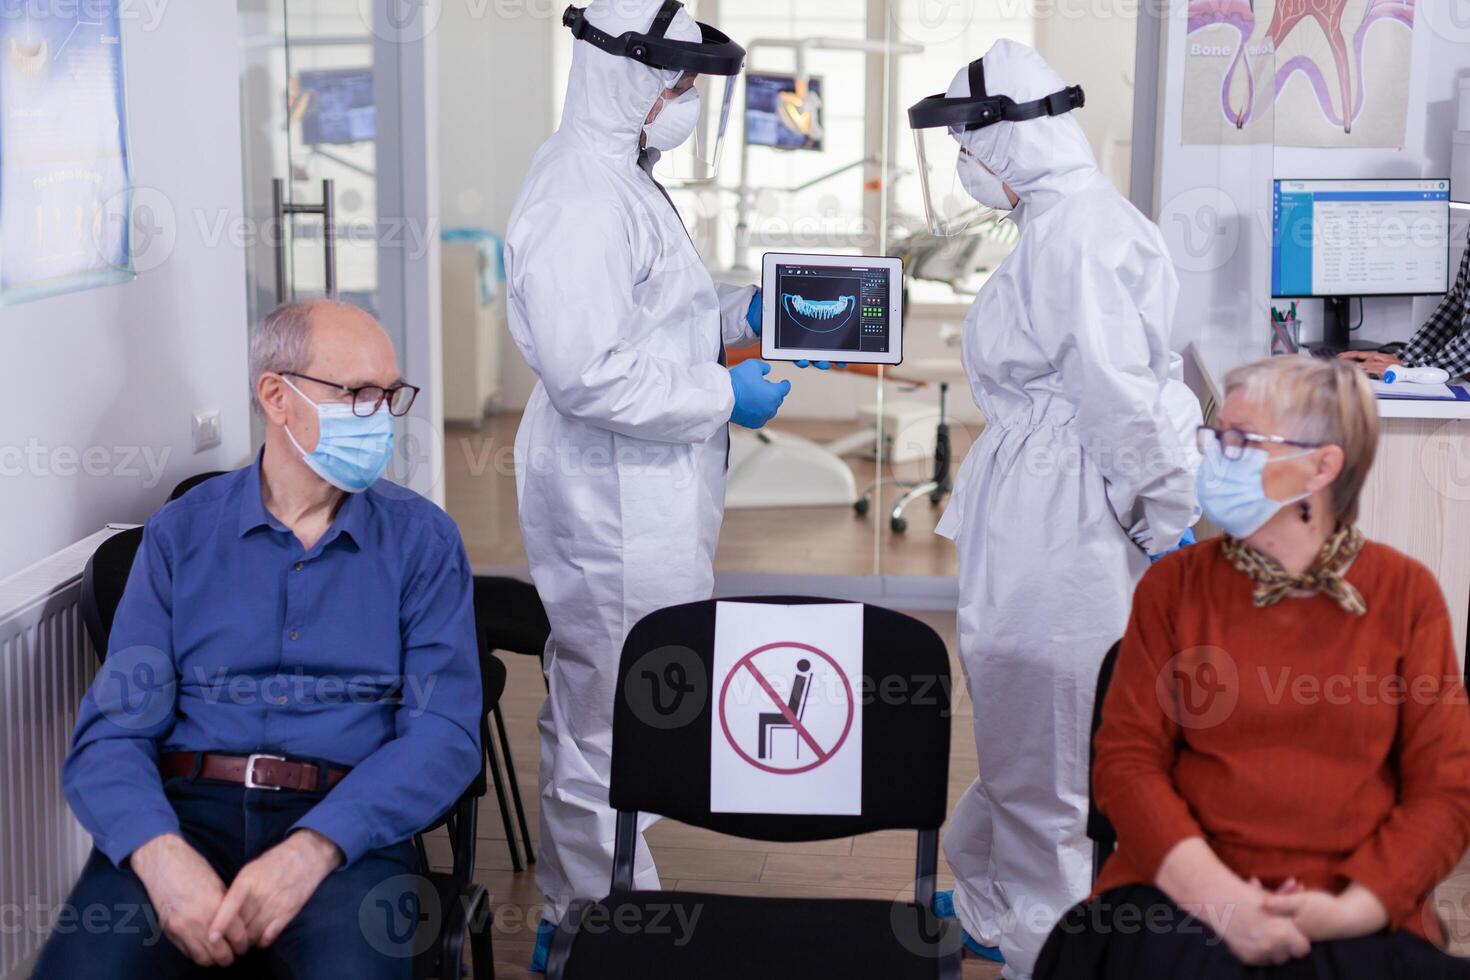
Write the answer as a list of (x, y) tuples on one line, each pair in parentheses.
[(480, 494), (874, 866)]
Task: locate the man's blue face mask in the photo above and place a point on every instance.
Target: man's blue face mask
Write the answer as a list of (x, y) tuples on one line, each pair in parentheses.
[(352, 451)]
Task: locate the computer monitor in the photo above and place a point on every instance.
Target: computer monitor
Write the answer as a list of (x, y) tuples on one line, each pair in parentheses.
[(339, 106), (1340, 239), (778, 115)]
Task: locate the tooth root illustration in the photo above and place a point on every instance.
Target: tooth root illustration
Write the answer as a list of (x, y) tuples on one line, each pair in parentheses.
[(1346, 59), (819, 315)]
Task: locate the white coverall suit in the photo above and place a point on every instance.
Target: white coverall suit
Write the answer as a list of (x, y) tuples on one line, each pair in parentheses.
[(621, 453), (1085, 467)]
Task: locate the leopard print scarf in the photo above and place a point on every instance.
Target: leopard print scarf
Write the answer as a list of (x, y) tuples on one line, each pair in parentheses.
[(1273, 583)]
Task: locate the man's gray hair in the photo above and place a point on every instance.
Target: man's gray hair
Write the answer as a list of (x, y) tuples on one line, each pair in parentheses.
[(280, 344)]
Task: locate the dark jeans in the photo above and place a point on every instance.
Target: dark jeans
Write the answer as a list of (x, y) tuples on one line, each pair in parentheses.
[(1136, 932), (359, 924)]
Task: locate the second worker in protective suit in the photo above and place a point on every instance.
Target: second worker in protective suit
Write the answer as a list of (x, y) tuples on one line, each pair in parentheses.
[(1085, 469), (621, 453)]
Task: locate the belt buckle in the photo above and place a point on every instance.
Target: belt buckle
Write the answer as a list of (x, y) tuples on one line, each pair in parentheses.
[(250, 761)]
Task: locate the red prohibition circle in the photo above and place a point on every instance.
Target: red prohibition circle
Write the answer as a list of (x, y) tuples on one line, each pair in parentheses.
[(742, 662)]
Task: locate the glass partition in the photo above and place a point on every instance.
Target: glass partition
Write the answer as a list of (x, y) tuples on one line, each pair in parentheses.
[(819, 158)]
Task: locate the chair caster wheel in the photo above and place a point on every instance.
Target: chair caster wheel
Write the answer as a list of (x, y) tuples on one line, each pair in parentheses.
[(899, 525), (861, 507)]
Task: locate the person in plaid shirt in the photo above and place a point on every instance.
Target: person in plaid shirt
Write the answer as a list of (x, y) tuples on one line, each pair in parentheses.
[(1443, 341)]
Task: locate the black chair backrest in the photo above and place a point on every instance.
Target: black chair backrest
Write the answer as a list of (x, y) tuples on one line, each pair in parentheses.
[(492, 684), (509, 616), (106, 573), (103, 581), (1099, 828), (904, 696), (190, 483)]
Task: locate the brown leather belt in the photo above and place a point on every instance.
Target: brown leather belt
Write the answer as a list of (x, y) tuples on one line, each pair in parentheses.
[(257, 771)]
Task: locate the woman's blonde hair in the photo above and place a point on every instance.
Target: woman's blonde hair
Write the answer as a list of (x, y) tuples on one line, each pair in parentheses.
[(1320, 400)]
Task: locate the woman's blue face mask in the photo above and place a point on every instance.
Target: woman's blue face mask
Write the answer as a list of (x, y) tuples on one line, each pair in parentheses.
[(352, 451), (1231, 492)]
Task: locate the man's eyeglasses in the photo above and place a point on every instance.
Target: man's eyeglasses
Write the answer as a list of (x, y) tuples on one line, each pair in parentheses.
[(1234, 442), (366, 399)]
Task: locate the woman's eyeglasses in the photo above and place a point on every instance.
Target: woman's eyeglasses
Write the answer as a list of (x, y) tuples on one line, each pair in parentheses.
[(366, 399), (1234, 442)]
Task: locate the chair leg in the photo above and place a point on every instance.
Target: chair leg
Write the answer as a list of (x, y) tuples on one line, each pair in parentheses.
[(515, 787), (482, 952), (493, 758), (896, 520), (872, 493)]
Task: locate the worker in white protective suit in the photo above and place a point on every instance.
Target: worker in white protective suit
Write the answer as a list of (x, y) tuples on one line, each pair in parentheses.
[(621, 453), (1085, 469)]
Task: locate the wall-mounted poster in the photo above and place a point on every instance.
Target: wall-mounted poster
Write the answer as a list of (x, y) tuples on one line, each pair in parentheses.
[(65, 187), (1330, 73)]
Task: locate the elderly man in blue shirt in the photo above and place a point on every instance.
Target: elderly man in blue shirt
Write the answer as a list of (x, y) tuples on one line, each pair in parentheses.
[(291, 689)]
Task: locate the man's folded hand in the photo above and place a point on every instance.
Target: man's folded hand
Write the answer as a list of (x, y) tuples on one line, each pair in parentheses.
[(268, 892), (186, 893)]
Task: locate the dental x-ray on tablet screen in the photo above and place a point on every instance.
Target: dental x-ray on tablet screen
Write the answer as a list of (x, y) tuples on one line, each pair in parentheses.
[(832, 308)]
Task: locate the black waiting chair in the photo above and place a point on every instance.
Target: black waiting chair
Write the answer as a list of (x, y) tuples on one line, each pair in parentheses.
[(509, 616), (664, 768), (465, 905), (1099, 829)]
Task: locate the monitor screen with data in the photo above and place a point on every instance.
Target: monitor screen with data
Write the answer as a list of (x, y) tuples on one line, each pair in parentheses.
[(1360, 237), (832, 307)]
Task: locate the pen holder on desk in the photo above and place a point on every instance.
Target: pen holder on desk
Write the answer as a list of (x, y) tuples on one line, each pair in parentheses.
[(1286, 336)]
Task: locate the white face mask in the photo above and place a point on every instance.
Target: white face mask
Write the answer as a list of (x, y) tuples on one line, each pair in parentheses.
[(675, 121), (981, 184)]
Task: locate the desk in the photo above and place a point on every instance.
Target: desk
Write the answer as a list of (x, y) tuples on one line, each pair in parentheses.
[(1417, 496)]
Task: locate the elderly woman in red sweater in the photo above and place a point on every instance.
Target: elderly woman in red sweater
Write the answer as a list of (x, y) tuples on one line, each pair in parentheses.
[(1285, 746)]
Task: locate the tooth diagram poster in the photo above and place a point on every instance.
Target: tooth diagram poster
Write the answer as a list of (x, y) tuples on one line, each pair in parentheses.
[(1324, 73), (65, 187)]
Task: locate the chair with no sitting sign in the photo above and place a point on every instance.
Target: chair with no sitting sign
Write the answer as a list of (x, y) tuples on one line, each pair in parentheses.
[(663, 767)]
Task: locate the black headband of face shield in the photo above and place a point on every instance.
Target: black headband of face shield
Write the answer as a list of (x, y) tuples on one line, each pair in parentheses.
[(716, 54), (981, 110)]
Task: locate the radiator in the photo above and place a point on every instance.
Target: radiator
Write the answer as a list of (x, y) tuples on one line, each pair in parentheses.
[(46, 663)]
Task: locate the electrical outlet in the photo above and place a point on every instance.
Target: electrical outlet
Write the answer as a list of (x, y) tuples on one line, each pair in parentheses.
[(206, 429)]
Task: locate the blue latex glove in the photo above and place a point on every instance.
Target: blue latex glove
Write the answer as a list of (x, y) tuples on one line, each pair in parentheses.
[(819, 365), (1185, 539), (756, 399)]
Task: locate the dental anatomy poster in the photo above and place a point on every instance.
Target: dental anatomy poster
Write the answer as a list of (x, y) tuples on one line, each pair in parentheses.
[(1325, 73), (65, 187)]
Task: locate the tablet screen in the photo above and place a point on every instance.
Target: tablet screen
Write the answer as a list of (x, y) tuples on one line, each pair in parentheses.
[(832, 308)]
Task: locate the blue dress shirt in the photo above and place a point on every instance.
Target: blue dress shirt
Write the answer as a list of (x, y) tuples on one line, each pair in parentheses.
[(231, 637)]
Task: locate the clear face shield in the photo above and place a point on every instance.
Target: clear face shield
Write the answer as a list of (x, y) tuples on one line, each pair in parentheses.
[(949, 176), (688, 127), (960, 193)]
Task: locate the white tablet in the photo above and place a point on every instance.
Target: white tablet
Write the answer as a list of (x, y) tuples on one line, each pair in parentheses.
[(832, 308)]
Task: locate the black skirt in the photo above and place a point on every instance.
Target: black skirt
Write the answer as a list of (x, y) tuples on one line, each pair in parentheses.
[(1137, 933)]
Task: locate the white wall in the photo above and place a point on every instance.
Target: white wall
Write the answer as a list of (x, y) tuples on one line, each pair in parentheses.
[(1215, 202), (1092, 46), (110, 376)]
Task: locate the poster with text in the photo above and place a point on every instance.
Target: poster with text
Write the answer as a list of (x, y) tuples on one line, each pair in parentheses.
[(65, 187)]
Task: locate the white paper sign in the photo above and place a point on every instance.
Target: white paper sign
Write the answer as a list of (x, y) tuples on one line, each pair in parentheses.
[(787, 730)]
